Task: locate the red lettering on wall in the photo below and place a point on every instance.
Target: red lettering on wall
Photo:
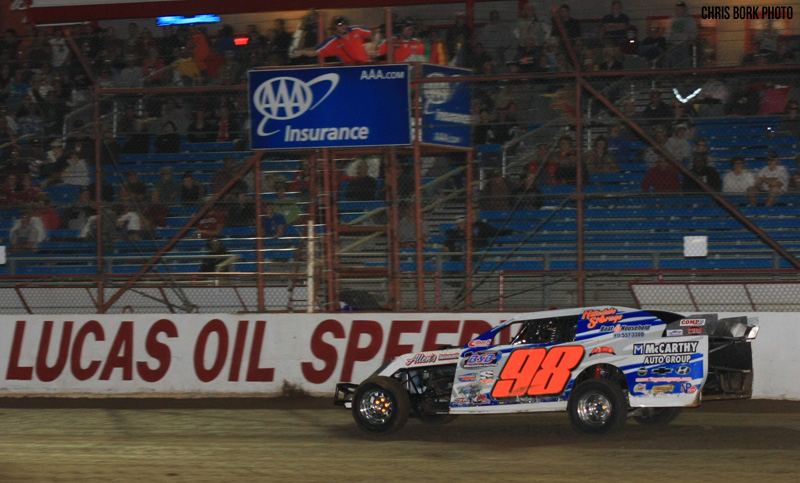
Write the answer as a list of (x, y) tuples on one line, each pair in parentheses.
[(255, 373), (157, 350), (213, 326), (471, 329), (15, 371), (92, 327), (238, 350), (436, 327), (323, 351), (44, 372), (356, 353), (121, 353), (399, 327)]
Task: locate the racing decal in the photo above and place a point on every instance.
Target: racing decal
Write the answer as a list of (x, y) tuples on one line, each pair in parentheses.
[(537, 371), (484, 359), (675, 333), (626, 331), (694, 330), (421, 359), (602, 350), (605, 316), (692, 322), (663, 389), (665, 352), (468, 377), (688, 388), (683, 370), (480, 343)]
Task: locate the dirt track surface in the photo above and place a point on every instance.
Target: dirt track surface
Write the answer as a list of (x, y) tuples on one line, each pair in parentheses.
[(47, 440)]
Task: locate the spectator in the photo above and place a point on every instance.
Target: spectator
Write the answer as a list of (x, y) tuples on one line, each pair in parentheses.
[(615, 25), (527, 195), (129, 223), (168, 187), (280, 42), (363, 187), (619, 146), (225, 174), (678, 146), (529, 26), (497, 38), (611, 61), (212, 223), (302, 179), (772, 179), (405, 46), (10, 191), (794, 181), (681, 34), (599, 160), (227, 126), (458, 35), (217, 254), (76, 173), (15, 164), (744, 102), (572, 27), (567, 159), (202, 129), (650, 154), (154, 214), (738, 180), (273, 224), (108, 229), (131, 75), (27, 191), (529, 57), (136, 188), (790, 123), (191, 192), (497, 193), (169, 141), (241, 209), (701, 149), (77, 214), (53, 164), (198, 46), (346, 45), (483, 132), (662, 178), (543, 166), (656, 112), (26, 233), (705, 173), (288, 207), (772, 98)]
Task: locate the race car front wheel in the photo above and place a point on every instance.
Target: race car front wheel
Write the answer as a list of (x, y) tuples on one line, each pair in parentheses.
[(597, 406), (657, 416), (381, 405)]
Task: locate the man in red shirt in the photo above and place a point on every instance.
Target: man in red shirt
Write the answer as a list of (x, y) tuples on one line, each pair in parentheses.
[(407, 48), (662, 178), (347, 43), (212, 223)]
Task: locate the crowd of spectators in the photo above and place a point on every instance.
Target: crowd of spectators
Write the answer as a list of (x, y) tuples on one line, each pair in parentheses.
[(42, 81)]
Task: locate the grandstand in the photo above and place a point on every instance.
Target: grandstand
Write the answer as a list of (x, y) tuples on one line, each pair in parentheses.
[(588, 240)]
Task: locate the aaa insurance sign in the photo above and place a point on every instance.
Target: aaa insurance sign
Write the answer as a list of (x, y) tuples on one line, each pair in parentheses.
[(330, 107)]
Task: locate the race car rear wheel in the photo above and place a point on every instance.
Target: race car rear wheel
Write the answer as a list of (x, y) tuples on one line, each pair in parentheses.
[(381, 405), (597, 406), (657, 416)]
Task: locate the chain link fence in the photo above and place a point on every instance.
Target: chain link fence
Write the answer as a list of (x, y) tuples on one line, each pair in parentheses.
[(581, 185)]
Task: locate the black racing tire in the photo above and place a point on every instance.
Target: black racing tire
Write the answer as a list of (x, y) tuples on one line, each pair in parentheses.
[(657, 416), (437, 418), (597, 406), (381, 405)]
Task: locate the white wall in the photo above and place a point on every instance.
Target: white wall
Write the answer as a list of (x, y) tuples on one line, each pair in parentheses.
[(214, 354)]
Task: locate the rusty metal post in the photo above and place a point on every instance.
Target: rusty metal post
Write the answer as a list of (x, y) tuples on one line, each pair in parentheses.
[(419, 244), (261, 302), (468, 232)]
